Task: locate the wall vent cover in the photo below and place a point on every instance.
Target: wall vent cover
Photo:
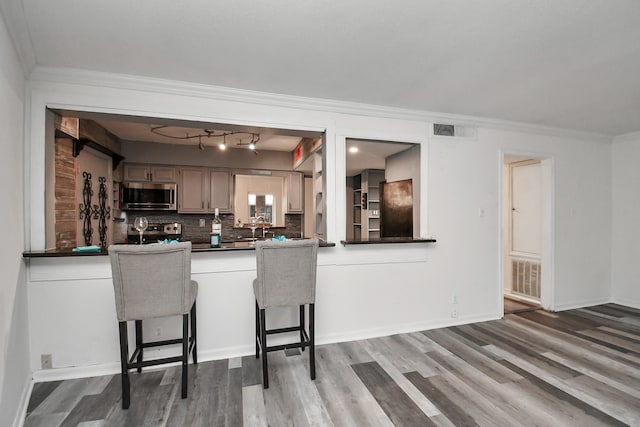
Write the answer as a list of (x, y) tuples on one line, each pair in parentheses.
[(443, 130)]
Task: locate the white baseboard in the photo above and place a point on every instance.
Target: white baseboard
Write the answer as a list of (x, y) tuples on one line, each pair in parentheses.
[(627, 303), (582, 304), (57, 374)]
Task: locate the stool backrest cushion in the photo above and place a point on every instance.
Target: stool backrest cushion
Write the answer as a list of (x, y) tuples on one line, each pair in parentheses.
[(286, 272), (151, 280)]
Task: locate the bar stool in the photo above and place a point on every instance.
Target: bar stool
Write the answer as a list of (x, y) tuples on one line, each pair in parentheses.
[(286, 277), (153, 281)]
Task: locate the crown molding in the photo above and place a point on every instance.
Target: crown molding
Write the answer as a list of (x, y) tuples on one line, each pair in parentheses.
[(627, 137), (148, 84)]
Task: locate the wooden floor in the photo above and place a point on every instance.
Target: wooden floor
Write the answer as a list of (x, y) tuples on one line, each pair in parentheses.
[(513, 305), (574, 368)]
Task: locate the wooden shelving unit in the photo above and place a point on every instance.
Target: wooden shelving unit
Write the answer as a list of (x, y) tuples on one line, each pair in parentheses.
[(366, 204)]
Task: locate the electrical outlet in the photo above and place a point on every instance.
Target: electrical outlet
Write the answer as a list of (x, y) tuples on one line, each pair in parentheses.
[(202, 222), (454, 299), (46, 361), (158, 332), (454, 313)]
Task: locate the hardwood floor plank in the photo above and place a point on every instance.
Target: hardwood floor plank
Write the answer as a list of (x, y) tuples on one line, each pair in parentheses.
[(400, 409), (281, 399), (45, 420), (94, 407), (346, 398), (234, 408), (628, 311), (449, 408), (382, 356), (471, 354), (615, 402), (40, 392), (626, 382), (549, 336), (609, 321), (306, 391), (254, 413), (518, 403), (558, 388), (251, 371)]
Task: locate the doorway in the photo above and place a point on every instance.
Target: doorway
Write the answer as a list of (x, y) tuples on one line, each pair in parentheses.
[(526, 233)]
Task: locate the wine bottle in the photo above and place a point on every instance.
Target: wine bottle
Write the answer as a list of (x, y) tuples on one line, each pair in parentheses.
[(216, 230)]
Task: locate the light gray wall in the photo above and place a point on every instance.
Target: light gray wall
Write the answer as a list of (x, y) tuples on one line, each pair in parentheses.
[(625, 231), (189, 155), (406, 165), (15, 372)]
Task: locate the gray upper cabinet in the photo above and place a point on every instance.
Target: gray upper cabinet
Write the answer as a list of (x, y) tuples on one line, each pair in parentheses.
[(192, 190), (201, 190), (220, 191), (152, 173), (295, 186)]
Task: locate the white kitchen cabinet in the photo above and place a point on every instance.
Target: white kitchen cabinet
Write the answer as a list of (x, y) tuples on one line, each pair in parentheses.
[(152, 173), (201, 190), (295, 198)]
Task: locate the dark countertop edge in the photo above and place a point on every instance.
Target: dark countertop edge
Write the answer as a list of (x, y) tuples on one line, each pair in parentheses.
[(67, 254), (392, 240)]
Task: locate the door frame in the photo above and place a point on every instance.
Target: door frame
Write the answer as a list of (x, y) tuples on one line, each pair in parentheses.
[(547, 284)]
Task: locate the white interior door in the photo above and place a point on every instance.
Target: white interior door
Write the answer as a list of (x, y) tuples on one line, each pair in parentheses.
[(525, 231), (526, 209)]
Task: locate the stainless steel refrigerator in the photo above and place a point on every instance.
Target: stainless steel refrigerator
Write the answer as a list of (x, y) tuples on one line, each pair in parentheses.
[(396, 209)]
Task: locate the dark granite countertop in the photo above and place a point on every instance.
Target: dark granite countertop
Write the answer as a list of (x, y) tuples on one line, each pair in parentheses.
[(244, 245), (382, 240)]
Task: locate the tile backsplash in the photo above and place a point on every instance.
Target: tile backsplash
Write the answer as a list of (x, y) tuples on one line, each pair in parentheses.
[(192, 231)]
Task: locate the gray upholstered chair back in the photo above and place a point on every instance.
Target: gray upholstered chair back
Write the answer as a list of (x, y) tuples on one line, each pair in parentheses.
[(152, 280), (286, 272)]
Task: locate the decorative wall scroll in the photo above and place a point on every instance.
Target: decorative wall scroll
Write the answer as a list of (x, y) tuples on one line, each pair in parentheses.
[(85, 208), (101, 211)]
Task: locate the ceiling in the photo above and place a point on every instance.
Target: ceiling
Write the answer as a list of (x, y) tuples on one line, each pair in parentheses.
[(570, 64)]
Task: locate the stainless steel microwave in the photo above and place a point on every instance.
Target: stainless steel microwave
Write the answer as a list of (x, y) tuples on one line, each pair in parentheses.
[(148, 196)]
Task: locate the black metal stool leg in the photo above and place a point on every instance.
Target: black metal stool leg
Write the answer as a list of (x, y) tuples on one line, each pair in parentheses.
[(263, 344), (185, 353), (302, 327), (194, 335), (139, 343), (312, 341), (258, 339), (124, 371)]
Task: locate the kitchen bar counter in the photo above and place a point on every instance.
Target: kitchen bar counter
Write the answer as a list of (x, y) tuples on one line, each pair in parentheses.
[(244, 245), (382, 240)]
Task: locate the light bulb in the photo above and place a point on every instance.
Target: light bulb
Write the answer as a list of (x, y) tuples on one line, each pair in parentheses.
[(223, 146), (252, 146)]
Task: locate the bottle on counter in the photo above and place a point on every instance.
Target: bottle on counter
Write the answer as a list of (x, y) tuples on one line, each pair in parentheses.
[(216, 230)]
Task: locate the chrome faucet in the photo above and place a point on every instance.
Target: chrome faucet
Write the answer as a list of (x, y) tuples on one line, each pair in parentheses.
[(264, 226)]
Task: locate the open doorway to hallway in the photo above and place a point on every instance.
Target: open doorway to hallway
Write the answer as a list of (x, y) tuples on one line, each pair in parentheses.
[(525, 231)]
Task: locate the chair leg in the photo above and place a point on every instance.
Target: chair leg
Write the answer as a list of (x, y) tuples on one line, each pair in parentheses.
[(312, 341), (139, 343), (257, 331), (124, 371), (302, 327), (194, 335), (263, 344), (185, 353)]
